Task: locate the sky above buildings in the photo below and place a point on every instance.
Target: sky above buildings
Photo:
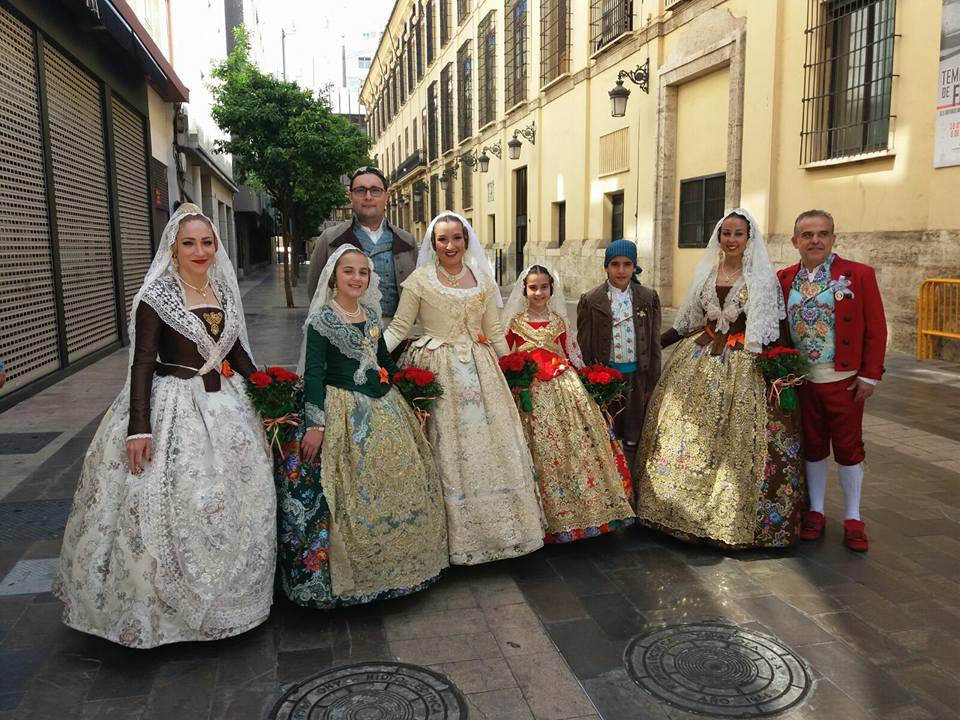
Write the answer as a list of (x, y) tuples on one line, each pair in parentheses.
[(319, 33)]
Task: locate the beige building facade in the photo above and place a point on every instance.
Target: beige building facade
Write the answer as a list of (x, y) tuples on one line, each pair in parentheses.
[(773, 105)]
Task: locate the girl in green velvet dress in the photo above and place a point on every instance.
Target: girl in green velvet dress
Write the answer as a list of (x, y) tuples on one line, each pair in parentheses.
[(361, 507)]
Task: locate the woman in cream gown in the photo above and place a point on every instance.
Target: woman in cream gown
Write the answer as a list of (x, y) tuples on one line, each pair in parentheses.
[(489, 490)]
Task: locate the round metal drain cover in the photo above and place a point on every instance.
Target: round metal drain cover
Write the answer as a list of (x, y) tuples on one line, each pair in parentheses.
[(373, 691), (717, 669)]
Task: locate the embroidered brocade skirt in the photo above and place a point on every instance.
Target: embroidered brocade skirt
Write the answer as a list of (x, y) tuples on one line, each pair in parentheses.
[(489, 490), (186, 550), (581, 485), (365, 522), (717, 462)]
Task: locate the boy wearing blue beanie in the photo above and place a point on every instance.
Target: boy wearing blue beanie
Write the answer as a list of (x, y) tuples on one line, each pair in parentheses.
[(618, 325)]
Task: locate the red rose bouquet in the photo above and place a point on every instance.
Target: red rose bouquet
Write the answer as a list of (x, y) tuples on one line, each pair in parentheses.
[(276, 394), (604, 384), (520, 369), (419, 387), (784, 369)]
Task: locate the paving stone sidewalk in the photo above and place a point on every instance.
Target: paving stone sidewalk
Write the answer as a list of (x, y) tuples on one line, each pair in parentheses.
[(536, 638)]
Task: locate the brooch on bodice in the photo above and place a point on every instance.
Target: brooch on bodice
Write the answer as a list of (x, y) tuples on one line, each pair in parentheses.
[(215, 320)]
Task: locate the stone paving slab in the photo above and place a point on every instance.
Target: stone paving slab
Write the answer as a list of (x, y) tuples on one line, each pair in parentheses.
[(541, 636)]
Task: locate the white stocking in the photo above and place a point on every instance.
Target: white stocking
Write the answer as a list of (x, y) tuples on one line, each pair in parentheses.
[(817, 483), (851, 480)]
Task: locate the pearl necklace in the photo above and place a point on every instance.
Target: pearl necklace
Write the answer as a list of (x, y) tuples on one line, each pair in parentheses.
[(202, 291), (346, 313), (454, 280)]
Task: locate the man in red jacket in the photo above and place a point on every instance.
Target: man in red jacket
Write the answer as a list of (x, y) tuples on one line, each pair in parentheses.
[(837, 322)]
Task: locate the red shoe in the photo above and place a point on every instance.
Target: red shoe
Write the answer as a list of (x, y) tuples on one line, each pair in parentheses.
[(855, 535), (812, 526)]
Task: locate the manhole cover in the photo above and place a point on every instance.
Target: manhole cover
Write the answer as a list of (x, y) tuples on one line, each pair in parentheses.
[(717, 669), (373, 691)]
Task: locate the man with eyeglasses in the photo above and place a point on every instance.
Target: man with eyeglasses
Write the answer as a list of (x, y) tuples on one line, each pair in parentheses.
[(393, 250)]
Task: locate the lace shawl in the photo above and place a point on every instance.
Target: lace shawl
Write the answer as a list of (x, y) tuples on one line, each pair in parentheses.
[(166, 298), (351, 341)]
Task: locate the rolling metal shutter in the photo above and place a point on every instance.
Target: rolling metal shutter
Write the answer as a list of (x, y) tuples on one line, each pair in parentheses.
[(130, 154), (28, 320), (82, 205)]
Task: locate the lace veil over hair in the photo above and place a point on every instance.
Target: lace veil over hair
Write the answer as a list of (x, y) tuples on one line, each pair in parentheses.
[(764, 306), (472, 258), (161, 290), (517, 303), (370, 300)]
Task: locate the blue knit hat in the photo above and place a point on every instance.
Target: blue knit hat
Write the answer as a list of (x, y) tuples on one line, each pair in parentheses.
[(620, 248)]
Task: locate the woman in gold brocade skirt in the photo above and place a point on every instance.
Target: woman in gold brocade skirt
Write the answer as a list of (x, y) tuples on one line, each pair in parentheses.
[(718, 462)]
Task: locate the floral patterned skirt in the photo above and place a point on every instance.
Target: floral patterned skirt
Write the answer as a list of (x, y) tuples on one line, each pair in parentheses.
[(366, 521), (187, 549), (581, 485), (489, 489), (717, 461)]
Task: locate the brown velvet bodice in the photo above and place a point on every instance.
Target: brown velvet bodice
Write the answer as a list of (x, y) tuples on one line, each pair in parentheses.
[(161, 350)]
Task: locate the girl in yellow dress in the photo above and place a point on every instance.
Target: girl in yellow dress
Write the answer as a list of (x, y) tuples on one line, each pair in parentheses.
[(581, 479)]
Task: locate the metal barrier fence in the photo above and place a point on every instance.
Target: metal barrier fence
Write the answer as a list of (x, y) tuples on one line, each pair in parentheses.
[(938, 314)]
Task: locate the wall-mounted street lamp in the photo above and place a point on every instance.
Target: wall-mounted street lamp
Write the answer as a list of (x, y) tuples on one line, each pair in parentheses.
[(513, 145), (450, 172), (419, 188), (619, 94), (482, 161)]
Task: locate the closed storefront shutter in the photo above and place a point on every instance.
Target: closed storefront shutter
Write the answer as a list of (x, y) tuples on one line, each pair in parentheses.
[(82, 205), (130, 154), (28, 321)]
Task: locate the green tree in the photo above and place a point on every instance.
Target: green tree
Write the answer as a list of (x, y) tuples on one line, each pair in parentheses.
[(287, 141)]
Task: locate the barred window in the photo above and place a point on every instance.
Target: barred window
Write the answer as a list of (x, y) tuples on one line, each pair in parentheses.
[(848, 78), (428, 9), (446, 107), (609, 19), (434, 196), (616, 216), (443, 6), (432, 121), (418, 208), (450, 193), (701, 207), (554, 39), (463, 11), (423, 128), (487, 65), (466, 186), (515, 53), (418, 40), (464, 92), (411, 76), (397, 93)]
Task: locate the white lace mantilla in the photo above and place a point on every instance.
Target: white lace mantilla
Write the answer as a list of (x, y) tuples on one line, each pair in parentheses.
[(460, 293), (348, 339), (165, 296), (732, 306)]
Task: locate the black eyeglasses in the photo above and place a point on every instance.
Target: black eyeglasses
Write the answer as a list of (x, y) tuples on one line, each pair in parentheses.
[(368, 170), (374, 192)]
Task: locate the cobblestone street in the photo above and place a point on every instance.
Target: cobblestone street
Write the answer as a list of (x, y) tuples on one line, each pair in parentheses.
[(566, 633)]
